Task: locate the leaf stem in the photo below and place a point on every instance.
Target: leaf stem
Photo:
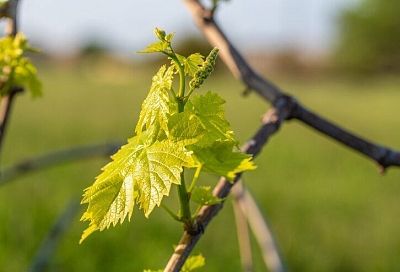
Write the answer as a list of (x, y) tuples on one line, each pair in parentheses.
[(184, 197), (191, 90), (171, 213), (181, 70), (185, 212), (195, 178)]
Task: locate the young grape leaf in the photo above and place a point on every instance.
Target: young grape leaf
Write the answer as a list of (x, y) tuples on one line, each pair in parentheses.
[(26, 75), (185, 127), (157, 168), (221, 159), (156, 108), (209, 110), (139, 173), (162, 36), (192, 63), (111, 198), (193, 263), (17, 70), (203, 195), (161, 46), (198, 136), (156, 47)]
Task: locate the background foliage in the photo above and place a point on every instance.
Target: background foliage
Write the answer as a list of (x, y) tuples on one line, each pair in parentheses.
[(328, 206), (370, 37)]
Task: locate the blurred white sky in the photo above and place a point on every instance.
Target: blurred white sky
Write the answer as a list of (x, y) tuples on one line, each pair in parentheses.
[(60, 25)]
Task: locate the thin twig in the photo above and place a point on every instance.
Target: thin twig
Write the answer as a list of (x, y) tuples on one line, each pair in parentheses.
[(272, 123), (57, 157), (5, 111), (49, 244), (10, 11), (243, 235), (259, 227), (383, 156)]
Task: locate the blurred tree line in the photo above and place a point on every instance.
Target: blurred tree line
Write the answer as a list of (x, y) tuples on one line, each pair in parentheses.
[(369, 38), (368, 42)]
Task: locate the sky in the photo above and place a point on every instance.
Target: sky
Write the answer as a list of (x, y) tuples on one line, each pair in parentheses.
[(126, 25)]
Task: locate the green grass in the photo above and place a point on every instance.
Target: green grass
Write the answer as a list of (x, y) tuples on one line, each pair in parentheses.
[(328, 206)]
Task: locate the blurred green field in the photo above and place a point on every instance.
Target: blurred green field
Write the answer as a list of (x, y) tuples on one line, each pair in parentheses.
[(329, 207)]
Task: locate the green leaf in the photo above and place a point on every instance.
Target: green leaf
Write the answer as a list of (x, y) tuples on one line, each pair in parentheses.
[(17, 70), (25, 75), (193, 263), (185, 127), (160, 34), (209, 110), (203, 195), (142, 172), (157, 107), (139, 173), (156, 47), (157, 168), (161, 46), (192, 63), (111, 198), (221, 159)]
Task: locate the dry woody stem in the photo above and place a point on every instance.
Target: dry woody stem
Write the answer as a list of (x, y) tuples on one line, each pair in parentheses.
[(243, 235), (260, 228)]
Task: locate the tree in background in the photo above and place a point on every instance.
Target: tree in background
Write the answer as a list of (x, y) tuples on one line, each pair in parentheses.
[(370, 37)]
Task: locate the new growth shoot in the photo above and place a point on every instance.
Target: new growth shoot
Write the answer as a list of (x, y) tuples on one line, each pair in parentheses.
[(177, 130)]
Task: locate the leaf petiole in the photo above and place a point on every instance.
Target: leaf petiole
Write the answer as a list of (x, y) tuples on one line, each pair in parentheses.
[(195, 178), (186, 98), (171, 213), (181, 70), (184, 198), (196, 213), (172, 92)]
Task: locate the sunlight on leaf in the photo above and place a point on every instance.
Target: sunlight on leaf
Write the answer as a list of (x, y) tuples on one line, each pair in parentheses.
[(202, 195), (221, 159), (197, 136), (186, 127), (139, 173), (193, 263), (17, 70), (209, 109), (156, 108)]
